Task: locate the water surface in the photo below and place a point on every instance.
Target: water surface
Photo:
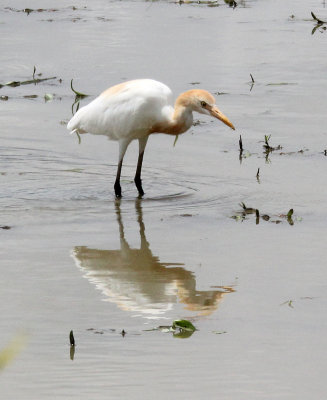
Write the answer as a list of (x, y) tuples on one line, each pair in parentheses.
[(75, 258)]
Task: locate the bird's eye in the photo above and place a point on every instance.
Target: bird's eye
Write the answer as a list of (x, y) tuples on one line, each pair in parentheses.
[(203, 104)]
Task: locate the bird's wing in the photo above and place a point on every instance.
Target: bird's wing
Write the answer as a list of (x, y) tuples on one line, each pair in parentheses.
[(125, 108)]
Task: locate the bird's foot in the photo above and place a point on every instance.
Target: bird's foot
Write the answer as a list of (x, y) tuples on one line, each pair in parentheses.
[(117, 188), (138, 184)]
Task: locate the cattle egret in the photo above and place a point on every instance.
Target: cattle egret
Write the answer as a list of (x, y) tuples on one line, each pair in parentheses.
[(138, 108)]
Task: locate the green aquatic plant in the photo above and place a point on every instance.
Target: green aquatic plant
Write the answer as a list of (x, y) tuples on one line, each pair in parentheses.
[(242, 215), (268, 148), (27, 82), (183, 324), (320, 21), (181, 328), (77, 94), (71, 338)]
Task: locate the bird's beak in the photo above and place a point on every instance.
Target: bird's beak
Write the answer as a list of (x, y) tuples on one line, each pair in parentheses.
[(215, 112)]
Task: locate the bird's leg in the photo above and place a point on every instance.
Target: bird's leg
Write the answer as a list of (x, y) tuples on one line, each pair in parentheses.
[(117, 186), (123, 144), (137, 178)]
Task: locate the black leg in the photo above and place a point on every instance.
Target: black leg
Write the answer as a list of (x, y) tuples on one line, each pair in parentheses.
[(117, 181), (137, 179)]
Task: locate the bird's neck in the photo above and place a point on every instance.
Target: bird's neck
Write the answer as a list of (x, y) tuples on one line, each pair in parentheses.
[(179, 120), (182, 118)]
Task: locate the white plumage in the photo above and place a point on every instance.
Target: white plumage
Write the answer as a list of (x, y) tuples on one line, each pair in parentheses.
[(138, 108)]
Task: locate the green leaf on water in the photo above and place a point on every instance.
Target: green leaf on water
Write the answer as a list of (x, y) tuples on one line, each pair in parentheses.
[(175, 141), (290, 213), (183, 324)]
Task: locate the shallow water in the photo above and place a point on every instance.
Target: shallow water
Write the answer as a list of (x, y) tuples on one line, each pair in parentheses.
[(75, 258)]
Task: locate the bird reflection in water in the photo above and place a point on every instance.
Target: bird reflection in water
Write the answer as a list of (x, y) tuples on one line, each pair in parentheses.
[(136, 280)]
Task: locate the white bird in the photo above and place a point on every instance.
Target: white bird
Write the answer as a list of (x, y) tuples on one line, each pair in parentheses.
[(135, 109)]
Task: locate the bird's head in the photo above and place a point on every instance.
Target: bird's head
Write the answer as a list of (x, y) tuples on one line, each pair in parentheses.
[(203, 102)]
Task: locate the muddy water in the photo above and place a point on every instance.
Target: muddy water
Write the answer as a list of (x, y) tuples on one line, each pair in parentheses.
[(75, 258)]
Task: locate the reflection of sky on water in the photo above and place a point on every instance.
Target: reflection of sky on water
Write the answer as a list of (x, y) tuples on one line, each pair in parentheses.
[(136, 280)]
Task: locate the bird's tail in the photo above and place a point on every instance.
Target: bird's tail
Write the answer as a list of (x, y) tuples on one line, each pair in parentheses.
[(74, 125)]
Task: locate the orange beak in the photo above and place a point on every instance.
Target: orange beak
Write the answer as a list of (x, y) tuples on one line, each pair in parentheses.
[(215, 112)]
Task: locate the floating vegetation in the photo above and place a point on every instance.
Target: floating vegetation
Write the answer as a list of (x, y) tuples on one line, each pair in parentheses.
[(317, 19), (72, 345), (240, 144), (181, 328), (220, 93), (242, 155), (71, 338), (276, 219), (289, 153), (27, 82), (288, 302), (78, 136), (281, 83), (183, 324), (258, 175), (209, 3), (291, 302), (252, 82), (268, 148), (231, 3), (320, 24), (78, 97), (30, 96), (5, 227), (30, 10)]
